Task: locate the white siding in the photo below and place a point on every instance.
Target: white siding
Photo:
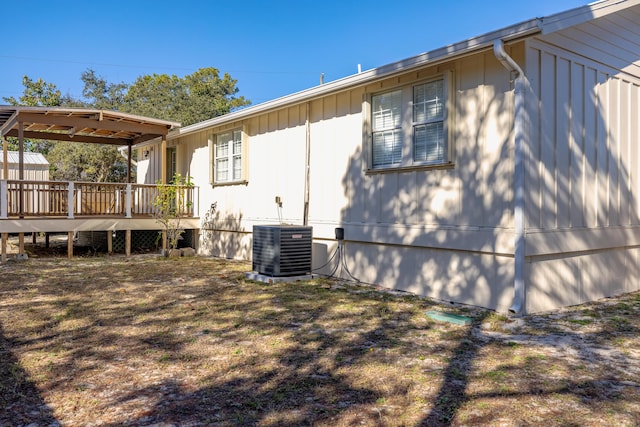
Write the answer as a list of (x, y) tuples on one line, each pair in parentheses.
[(476, 192), (149, 168), (442, 232)]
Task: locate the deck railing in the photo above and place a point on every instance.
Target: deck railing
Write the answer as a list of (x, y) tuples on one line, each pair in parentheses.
[(22, 199)]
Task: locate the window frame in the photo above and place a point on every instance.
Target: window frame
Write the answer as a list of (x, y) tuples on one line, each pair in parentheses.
[(408, 125), (230, 156)]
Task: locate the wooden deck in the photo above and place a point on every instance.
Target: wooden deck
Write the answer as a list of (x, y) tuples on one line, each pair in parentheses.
[(60, 206)]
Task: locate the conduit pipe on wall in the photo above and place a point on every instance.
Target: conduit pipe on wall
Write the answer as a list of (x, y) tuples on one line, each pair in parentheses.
[(519, 119), (307, 166)]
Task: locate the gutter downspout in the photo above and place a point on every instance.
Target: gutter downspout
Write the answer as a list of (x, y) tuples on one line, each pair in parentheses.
[(519, 119)]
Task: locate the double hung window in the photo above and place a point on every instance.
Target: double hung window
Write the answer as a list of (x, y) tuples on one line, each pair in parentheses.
[(409, 126), (228, 157)]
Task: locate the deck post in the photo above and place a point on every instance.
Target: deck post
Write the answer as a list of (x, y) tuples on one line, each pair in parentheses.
[(5, 238), (20, 243), (110, 241), (127, 202), (127, 243), (70, 244), (70, 205), (4, 200)]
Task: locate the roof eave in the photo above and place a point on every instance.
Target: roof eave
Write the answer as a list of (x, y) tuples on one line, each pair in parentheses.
[(446, 53), (15, 111), (582, 14)]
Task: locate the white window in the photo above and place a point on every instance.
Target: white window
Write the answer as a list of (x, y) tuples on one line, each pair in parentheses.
[(227, 162), (409, 126)]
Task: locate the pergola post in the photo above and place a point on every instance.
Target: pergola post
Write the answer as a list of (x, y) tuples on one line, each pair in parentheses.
[(129, 163), (5, 158), (4, 197), (163, 162), (21, 170)]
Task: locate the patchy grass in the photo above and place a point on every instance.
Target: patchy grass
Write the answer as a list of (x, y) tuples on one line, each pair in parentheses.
[(113, 341)]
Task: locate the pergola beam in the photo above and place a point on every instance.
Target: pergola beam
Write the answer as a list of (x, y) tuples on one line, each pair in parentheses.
[(10, 123), (56, 136), (89, 123)]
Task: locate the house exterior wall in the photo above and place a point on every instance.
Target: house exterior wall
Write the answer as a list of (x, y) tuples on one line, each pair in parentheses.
[(149, 166), (583, 164), (444, 232), (447, 232)]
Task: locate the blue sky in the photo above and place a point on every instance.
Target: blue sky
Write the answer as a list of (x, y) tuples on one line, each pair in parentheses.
[(273, 48)]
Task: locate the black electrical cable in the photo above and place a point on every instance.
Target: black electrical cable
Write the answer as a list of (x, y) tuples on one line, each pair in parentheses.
[(344, 263), (341, 263), (327, 263)]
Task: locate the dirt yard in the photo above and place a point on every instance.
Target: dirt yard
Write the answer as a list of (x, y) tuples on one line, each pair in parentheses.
[(149, 341)]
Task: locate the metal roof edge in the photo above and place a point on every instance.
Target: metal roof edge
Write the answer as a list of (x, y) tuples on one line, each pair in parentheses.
[(110, 113), (30, 158), (582, 14), (484, 41)]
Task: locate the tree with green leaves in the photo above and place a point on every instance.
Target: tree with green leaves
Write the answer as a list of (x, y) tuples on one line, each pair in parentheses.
[(70, 161), (36, 94), (194, 98), (171, 204), (100, 94)]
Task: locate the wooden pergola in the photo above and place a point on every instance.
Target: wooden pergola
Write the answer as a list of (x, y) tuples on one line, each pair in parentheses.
[(78, 125), (81, 125)]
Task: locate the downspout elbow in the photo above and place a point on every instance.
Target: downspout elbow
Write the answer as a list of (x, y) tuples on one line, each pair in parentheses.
[(504, 58)]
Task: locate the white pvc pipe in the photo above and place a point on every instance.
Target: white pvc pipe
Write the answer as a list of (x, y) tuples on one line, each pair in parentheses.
[(520, 85)]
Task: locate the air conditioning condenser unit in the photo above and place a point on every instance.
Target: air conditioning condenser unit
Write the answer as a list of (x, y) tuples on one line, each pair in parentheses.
[(282, 250)]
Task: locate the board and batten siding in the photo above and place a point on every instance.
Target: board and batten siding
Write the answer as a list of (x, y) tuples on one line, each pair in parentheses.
[(274, 166), (445, 232), (439, 232), (583, 166), (470, 196), (149, 167)]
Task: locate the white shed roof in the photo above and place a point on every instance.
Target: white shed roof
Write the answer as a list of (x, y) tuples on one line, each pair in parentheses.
[(29, 158)]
